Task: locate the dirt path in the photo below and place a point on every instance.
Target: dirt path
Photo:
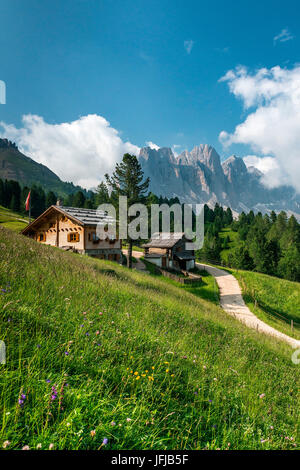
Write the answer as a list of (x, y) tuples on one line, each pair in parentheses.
[(232, 302), (139, 265)]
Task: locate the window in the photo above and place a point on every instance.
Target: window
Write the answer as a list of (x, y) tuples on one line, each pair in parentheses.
[(42, 237), (73, 237)]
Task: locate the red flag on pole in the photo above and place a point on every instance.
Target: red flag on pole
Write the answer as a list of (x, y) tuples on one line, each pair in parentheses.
[(27, 204)]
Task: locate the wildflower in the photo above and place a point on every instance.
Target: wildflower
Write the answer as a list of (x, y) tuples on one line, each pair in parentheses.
[(167, 370), (39, 446), (66, 353), (204, 367), (271, 427), (215, 379), (51, 446), (128, 420), (100, 313), (54, 393), (93, 433), (136, 373), (262, 395), (48, 381), (22, 399), (113, 423), (38, 345), (26, 448), (6, 444), (152, 367), (210, 401), (97, 332), (105, 441), (138, 377)]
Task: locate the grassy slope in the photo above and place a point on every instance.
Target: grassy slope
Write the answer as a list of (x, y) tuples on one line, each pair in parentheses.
[(199, 372), (206, 289), (278, 300), (12, 220)]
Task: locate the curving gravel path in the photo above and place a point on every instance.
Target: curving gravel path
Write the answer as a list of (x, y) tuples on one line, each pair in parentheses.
[(232, 302)]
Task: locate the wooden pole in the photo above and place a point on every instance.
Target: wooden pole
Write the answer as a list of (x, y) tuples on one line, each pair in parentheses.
[(30, 208), (292, 325)]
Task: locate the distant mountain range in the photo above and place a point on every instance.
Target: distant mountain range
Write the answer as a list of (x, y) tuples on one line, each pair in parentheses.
[(194, 177), (200, 177), (14, 165)]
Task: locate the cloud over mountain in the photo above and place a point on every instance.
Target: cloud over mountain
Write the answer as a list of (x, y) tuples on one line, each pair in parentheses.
[(272, 127), (81, 151)]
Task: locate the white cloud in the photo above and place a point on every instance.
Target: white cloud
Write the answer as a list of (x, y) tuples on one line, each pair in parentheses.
[(80, 151), (188, 45), (272, 175), (152, 145), (273, 127), (283, 36)]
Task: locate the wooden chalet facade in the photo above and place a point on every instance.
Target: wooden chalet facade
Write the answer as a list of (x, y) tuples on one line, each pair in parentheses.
[(168, 250), (74, 229)]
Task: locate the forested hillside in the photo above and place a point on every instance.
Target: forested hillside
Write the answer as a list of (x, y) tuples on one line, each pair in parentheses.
[(268, 244)]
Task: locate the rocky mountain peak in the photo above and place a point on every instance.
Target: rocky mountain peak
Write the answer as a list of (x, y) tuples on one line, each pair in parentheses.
[(199, 177)]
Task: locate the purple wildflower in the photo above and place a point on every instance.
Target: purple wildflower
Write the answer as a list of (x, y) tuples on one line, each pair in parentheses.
[(54, 393), (22, 399), (105, 441)]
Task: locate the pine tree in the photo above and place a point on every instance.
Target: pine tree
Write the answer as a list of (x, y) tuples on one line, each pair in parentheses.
[(51, 199), (127, 180), (102, 195), (78, 199)]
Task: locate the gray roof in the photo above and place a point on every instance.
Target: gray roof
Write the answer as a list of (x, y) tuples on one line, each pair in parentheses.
[(164, 240), (87, 216), (184, 255)]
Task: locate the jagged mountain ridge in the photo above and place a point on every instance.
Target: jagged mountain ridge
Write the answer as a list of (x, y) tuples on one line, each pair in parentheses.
[(200, 177)]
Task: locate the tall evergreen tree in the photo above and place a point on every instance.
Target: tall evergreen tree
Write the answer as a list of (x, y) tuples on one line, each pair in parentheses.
[(128, 180), (78, 199), (51, 199), (102, 195)]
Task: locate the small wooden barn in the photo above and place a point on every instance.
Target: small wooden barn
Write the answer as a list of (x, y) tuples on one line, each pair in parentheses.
[(168, 250), (74, 228)]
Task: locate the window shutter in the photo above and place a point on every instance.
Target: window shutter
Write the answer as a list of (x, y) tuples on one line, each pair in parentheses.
[(77, 237), (69, 237)]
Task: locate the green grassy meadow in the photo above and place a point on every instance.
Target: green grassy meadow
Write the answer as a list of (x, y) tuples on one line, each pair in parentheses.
[(100, 357), (277, 300), (12, 220)]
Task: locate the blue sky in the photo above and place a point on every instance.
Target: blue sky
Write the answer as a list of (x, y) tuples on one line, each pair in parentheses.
[(133, 63)]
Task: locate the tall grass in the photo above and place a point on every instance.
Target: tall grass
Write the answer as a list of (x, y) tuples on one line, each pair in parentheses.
[(96, 352), (275, 301)]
